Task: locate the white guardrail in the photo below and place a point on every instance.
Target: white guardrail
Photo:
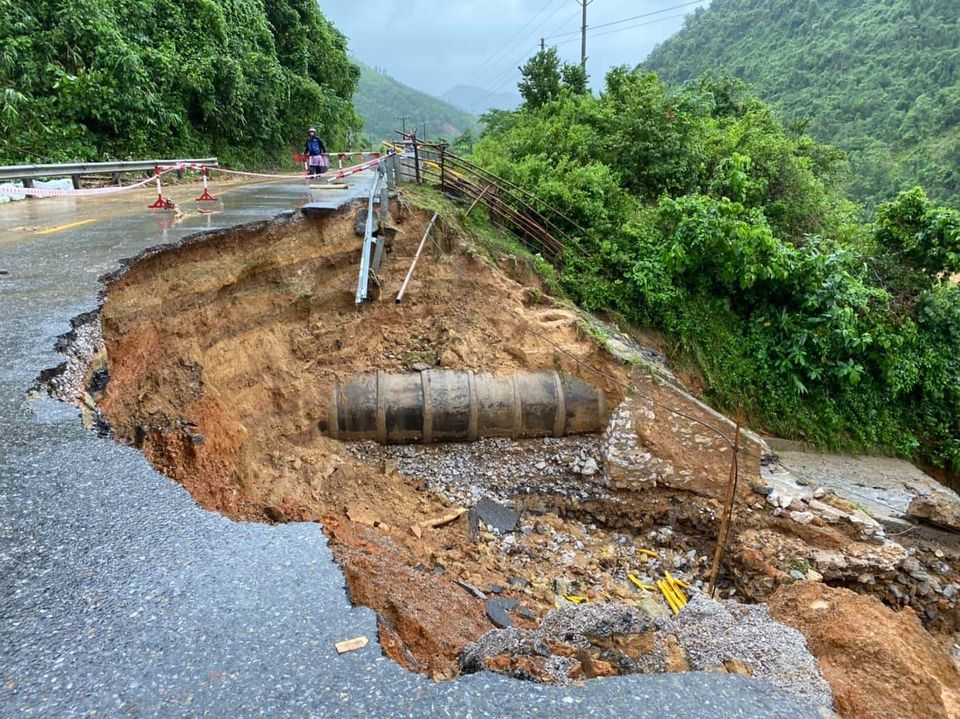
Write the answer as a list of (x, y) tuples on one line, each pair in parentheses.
[(28, 173)]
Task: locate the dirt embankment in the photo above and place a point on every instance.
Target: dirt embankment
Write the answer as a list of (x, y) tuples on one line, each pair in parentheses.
[(879, 663), (221, 355)]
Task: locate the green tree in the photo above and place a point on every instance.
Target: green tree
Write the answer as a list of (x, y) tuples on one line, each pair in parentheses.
[(696, 211), (543, 78), (98, 79)]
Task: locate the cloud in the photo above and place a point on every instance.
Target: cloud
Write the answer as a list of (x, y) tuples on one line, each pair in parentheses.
[(433, 45)]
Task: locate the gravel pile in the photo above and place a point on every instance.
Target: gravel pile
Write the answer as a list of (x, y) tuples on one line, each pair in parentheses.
[(706, 636), (713, 632), (576, 627), (501, 469)]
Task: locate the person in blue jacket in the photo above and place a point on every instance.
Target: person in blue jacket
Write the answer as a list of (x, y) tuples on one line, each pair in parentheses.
[(315, 151)]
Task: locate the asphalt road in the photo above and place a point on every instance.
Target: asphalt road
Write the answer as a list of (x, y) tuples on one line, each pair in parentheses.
[(119, 597)]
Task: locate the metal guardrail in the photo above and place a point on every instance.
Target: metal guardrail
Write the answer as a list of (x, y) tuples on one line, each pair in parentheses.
[(509, 205), (76, 170), (363, 281)]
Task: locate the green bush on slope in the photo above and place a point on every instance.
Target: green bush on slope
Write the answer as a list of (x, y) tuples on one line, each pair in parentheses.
[(708, 219)]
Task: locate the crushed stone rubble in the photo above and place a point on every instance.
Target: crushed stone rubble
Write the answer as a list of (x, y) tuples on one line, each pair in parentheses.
[(502, 469), (572, 643)]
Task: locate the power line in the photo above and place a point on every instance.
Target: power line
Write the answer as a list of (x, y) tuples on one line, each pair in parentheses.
[(510, 45), (629, 19), (628, 27)]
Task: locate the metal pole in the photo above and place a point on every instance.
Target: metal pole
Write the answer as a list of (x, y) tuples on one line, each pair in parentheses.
[(391, 168), (384, 195), (364, 278), (426, 234), (583, 36)]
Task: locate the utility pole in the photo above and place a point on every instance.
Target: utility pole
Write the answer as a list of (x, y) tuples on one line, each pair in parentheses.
[(403, 119), (583, 34), (543, 45)]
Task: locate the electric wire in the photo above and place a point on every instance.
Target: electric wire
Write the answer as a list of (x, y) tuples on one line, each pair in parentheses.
[(629, 19), (510, 45), (621, 29)]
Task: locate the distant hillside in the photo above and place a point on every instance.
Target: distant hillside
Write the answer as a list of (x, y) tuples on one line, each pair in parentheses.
[(382, 101), (879, 79), (478, 101)]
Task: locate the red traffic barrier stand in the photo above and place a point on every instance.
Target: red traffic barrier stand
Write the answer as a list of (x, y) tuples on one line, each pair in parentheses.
[(161, 203), (206, 196)]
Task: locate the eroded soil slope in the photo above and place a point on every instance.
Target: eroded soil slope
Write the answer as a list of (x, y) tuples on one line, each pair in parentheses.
[(221, 355)]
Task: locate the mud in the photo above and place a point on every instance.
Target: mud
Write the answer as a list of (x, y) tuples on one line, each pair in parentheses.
[(879, 663), (221, 353)]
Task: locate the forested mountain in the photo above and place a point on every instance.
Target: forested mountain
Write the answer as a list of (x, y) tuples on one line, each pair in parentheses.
[(478, 101), (879, 79), (383, 101), (98, 79)]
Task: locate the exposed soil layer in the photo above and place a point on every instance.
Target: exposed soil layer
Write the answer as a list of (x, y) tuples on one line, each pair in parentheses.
[(879, 663), (221, 355)]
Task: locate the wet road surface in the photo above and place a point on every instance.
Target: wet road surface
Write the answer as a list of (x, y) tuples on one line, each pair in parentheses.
[(119, 597)]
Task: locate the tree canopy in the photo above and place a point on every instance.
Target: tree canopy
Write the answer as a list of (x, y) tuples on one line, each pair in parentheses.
[(879, 79), (100, 79)]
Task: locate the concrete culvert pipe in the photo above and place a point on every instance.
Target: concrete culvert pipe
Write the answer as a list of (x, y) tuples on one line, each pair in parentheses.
[(455, 406)]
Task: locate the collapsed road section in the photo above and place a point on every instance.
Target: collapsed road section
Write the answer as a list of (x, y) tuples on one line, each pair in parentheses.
[(573, 539)]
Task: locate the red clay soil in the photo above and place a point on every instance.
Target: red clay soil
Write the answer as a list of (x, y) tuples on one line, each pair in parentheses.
[(879, 663), (221, 354)]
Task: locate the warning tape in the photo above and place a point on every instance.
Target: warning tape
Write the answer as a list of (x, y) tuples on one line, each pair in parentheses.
[(164, 169), (62, 192)]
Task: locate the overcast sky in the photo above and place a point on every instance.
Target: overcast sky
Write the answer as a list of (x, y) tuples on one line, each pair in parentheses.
[(433, 45)]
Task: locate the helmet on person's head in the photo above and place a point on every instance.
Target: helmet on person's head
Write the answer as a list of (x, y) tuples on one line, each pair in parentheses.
[(313, 130)]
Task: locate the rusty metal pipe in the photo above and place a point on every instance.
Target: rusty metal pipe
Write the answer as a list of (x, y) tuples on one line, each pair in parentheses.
[(450, 405)]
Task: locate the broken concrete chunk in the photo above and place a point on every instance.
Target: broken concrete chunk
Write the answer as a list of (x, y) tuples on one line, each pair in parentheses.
[(589, 467), (941, 511), (350, 645), (498, 516)]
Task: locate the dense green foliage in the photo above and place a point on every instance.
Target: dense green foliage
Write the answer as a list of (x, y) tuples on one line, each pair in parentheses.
[(99, 79), (382, 101), (878, 79), (704, 217), (542, 78)]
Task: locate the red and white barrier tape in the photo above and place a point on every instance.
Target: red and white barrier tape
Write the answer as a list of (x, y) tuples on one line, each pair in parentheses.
[(63, 192), (347, 171), (164, 169), (339, 174)]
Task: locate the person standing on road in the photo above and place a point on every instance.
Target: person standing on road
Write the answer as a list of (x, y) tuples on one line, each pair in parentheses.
[(316, 154)]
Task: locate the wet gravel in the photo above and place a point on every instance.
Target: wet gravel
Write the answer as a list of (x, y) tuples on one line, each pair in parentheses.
[(502, 469), (121, 598), (712, 632)]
